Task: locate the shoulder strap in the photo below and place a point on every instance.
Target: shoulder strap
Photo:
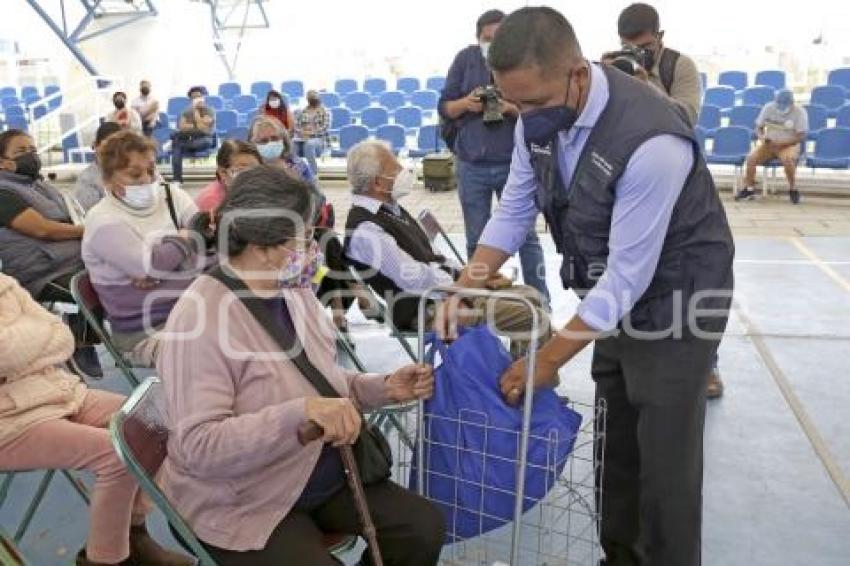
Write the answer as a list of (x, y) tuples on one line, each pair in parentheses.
[(286, 342), (169, 200), (667, 68)]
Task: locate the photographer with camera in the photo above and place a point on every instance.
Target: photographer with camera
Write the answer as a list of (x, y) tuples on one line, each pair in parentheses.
[(478, 126), (645, 56)]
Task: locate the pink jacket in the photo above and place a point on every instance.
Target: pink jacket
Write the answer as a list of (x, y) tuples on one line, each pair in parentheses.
[(235, 467)]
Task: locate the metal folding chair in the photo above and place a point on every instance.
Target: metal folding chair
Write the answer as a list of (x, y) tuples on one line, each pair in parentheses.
[(37, 498), (9, 553), (89, 303), (140, 436), (433, 229)]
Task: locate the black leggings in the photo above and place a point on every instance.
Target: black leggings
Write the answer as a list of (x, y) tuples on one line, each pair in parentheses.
[(410, 531)]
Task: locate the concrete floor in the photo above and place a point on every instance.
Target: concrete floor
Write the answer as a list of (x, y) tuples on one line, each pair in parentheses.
[(777, 445)]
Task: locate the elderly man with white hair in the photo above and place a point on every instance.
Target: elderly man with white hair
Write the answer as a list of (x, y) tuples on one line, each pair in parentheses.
[(391, 251)]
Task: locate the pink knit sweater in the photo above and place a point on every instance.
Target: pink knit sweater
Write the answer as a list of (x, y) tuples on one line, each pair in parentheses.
[(234, 402), (33, 342)]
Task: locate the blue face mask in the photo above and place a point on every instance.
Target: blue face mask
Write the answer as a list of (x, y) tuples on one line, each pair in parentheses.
[(541, 125), (271, 150)]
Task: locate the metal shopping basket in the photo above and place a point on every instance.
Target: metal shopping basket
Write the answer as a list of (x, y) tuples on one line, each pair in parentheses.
[(562, 528)]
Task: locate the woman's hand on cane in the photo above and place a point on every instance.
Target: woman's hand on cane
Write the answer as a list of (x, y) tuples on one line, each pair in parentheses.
[(339, 419)]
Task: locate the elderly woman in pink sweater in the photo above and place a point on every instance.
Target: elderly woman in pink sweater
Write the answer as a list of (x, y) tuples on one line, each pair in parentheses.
[(235, 469), (50, 420)]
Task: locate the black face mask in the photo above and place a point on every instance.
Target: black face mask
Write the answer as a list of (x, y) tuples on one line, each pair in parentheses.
[(145, 91), (28, 164), (119, 104), (313, 101)]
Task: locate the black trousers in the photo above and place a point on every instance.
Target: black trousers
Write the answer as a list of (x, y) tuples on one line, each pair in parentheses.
[(651, 487), (410, 531)]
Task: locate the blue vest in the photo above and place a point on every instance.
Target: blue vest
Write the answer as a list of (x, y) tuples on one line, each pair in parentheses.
[(698, 249)]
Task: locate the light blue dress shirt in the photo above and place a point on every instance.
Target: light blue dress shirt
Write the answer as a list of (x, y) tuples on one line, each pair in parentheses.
[(645, 196)]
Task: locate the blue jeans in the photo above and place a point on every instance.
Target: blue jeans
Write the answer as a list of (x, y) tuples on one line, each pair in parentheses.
[(313, 148), (477, 184), (179, 146)]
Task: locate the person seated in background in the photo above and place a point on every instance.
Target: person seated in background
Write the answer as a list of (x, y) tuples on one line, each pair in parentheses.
[(195, 131), (311, 129), (277, 107), (781, 127), (138, 253), (234, 156), (275, 145), (147, 106), (390, 249), (89, 189), (123, 115), (50, 420), (39, 244), (236, 469)]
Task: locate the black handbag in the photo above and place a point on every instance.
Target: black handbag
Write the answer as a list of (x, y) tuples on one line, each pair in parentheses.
[(371, 450)]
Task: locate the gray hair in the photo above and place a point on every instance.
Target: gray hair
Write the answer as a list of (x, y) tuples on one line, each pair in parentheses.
[(364, 164), (271, 122)]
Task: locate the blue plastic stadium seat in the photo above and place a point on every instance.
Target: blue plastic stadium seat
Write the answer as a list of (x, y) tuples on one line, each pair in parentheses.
[(16, 111), (392, 99), (840, 77), (735, 79), (703, 81), (774, 78), (407, 85), (709, 119), (340, 117), (330, 99), (425, 99), (818, 116), (229, 90), (238, 133), (260, 89), (428, 141), (345, 86), (7, 101), (410, 117), (244, 103), (226, 120), (375, 86), (162, 136), (831, 96), (349, 136), (215, 102), (842, 118), (176, 105), (394, 135), (721, 96), (701, 136), (357, 101), (374, 117), (17, 123), (731, 146), (832, 149), (758, 95), (745, 116), (30, 91), (435, 83), (8, 91), (293, 89)]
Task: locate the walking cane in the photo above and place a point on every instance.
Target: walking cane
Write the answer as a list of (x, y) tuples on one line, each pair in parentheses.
[(309, 432)]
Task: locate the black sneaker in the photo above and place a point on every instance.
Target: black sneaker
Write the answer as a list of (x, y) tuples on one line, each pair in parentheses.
[(745, 194), (85, 362), (795, 196)]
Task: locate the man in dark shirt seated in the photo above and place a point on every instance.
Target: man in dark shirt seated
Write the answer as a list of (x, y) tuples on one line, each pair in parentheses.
[(393, 254), (195, 131), (39, 244)]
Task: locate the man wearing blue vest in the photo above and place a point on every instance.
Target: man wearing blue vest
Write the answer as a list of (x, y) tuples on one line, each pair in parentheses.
[(632, 208)]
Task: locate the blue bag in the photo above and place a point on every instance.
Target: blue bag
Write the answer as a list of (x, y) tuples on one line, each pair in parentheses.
[(472, 437)]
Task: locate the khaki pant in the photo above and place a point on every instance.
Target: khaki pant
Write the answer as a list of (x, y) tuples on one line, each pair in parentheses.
[(507, 318), (788, 156)]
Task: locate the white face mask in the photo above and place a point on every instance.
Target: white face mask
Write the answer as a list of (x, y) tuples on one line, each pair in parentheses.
[(403, 184), (139, 197), (485, 48), (274, 103)]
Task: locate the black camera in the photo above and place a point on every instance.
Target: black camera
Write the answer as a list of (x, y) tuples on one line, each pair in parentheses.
[(631, 58), (490, 98)]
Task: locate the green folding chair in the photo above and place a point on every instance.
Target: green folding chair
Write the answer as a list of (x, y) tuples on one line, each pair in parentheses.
[(38, 497), (432, 229), (89, 304), (140, 436), (9, 553)]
